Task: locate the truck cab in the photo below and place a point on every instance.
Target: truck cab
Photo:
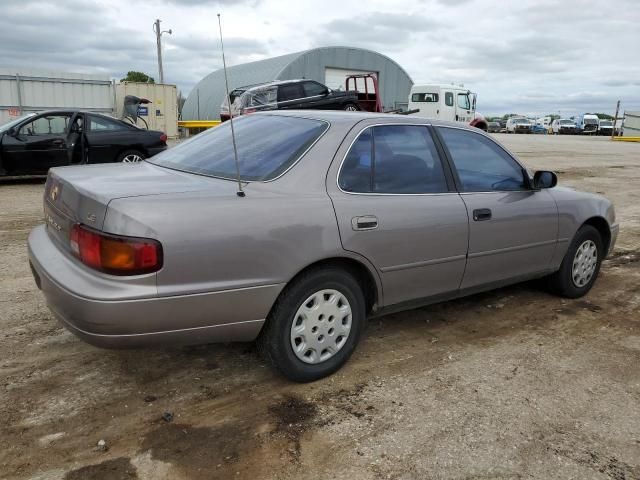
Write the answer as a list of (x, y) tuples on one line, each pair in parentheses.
[(446, 102), (587, 124)]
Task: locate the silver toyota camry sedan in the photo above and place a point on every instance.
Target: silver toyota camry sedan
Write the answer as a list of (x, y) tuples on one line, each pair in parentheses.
[(343, 216)]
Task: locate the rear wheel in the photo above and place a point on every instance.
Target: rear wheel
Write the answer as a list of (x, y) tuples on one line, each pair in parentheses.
[(130, 156), (315, 325), (351, 107), (581, 264)]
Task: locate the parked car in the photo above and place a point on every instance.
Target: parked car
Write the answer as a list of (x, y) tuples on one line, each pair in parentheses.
[(493, 127), (605, 127), (296, 94), (562, 126), (329, 229), (518, 125), (587, 124), (233, 98), (539, 129), (34, 143)]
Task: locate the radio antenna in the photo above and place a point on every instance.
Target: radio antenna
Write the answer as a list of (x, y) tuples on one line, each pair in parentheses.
[(240, 192)]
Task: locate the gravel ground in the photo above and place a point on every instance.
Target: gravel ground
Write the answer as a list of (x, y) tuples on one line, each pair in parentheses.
[(509, 384)]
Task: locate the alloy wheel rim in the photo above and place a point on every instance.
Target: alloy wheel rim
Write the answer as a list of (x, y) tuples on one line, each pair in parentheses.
[(584, 263), (132, 158), (351, 108), (321, 326)]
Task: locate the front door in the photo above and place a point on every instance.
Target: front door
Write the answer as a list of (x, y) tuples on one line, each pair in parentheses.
[(37, 145), (396, 206), (513, 230)]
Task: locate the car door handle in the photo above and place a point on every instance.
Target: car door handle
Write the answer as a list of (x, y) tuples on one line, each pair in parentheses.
[(366, 222), (481, 214)]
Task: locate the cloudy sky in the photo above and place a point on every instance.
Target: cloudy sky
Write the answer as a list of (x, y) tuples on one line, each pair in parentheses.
[(527, 56)]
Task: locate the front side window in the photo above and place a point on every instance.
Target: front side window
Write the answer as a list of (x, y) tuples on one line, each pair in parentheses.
[(47, 125), (103, 124), (267, 146), (425, 97), (393, 159), (313, 89), (448, 99), (481, 164), (463, 101)]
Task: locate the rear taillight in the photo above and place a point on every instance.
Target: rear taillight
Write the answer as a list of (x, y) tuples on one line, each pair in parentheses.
[(248, 110), (115, 254), (163, 138)]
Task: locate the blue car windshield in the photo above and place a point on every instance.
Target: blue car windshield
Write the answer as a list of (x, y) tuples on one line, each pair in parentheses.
[(267, 146)]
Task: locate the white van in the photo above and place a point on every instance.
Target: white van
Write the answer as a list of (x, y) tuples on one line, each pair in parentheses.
[(587, 124), (446, 102)]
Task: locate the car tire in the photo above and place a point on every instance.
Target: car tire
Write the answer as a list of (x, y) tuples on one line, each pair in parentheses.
[(130, 156), (351, 107), (304, 324), (580, 265)]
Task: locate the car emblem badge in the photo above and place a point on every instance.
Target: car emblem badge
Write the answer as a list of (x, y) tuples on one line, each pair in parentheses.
[(54, 193), (91, 217)]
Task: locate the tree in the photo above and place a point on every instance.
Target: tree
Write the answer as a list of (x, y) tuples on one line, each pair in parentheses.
[(604, 116), (133, 76)]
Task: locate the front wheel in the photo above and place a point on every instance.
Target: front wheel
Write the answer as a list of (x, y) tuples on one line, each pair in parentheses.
[(581, 264), (315, 325), (351, 107)]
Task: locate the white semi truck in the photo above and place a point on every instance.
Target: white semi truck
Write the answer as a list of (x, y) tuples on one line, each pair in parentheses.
[(446, 102)]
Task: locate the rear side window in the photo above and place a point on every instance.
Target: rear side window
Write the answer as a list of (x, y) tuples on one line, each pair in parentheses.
[(425, 97), (481, 164), (267, 146), (102, 124), (290, 91), (448, 99), (393, 159)]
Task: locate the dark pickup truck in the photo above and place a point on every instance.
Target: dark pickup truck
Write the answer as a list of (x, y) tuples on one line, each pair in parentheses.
[(295, 94)]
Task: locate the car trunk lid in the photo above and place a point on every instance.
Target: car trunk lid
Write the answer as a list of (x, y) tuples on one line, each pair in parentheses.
[(82, 194)]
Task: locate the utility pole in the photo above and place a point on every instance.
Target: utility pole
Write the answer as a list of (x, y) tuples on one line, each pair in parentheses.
[(156, 29), (615, 120)]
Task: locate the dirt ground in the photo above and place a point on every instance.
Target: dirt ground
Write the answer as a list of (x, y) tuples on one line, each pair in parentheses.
[(510, 384)]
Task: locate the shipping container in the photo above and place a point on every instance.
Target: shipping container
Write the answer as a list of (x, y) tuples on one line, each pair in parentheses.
[(24, 90), (161, 114)]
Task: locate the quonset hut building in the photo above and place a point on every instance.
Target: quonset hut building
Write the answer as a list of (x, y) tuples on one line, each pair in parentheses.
[(328, 65)]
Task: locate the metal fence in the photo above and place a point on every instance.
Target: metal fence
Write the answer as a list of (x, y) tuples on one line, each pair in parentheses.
[(23, 91)]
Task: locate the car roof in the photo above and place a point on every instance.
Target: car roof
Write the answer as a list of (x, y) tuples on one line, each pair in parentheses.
[(340, 116), (276, 83), (58, 111)]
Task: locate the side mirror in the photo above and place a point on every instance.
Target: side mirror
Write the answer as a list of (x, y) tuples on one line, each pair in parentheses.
[(544, 179), (12, 132)]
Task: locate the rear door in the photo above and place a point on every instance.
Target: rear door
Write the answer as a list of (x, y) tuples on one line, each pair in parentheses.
[(39, 144), (395, 204), (513, 230), (107, 137), (291, 95), (448, 111)]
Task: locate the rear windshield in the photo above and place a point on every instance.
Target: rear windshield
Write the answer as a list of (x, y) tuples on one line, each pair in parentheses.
[(267, 146)]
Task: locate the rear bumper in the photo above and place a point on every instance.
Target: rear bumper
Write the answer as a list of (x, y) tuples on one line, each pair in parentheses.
[(121, 321), (155, 150)]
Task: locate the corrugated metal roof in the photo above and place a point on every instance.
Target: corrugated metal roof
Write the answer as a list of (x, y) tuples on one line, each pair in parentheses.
[(203, 102), (209, 92)]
